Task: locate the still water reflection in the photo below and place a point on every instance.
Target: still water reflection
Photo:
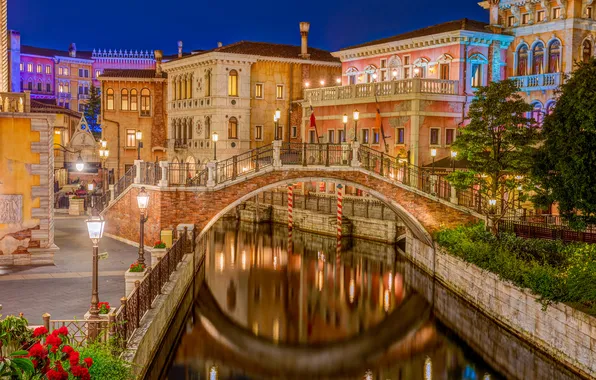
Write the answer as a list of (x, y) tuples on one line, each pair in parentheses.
[(294, 307)]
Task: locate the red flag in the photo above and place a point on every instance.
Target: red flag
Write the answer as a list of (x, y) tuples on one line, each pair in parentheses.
[(313, 120)]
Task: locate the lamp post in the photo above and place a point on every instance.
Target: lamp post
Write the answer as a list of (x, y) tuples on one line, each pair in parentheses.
[(345, 120), (433, 154), (104, 153), (276, 118), (95, 226), (453, 155), (143, 203), (139, 136), (356, 116), (214, 138)]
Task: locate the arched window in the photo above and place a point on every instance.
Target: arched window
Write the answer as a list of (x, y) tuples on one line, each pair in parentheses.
[(178, 89), (537, 113), (522, 60), (352, 74), (189, 87), (233, 83), (124, 100), (233, 128), (444, 62), (586, 51), (110, 99), (538, 59), (395, 67), (134, 100), (189, 128), (208, 83), (420, 67), (145, 102), (207, 127), (369, 72), (554, 57), (550, 107)]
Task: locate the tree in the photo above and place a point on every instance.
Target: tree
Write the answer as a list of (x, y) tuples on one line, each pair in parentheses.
[(565, 162), (499, 144), (92, 110)]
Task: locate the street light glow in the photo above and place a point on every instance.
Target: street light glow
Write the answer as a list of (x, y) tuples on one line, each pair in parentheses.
[(80, 165), (345, 118), (453, 154), (356, 115), (277, 114), (95, 226), (433, 153), (214, 137), (139, 135), (143, 200)]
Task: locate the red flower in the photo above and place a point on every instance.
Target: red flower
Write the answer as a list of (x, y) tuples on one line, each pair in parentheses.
[(54, 341), (40, 331), (57, 374), (34, 363), (74, 358), (67, 350), (80, 372), (61, 331), (38, 351), (89, 362)]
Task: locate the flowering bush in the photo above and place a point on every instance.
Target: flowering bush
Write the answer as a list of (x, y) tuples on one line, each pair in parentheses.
[(104, 307), (159, 244), (136, 267)]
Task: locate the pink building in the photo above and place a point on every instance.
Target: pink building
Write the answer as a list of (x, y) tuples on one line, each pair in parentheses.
[(420, 81)]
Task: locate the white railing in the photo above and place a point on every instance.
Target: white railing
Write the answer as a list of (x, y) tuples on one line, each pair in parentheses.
[(383, 89), (539, 81), (15, 102)]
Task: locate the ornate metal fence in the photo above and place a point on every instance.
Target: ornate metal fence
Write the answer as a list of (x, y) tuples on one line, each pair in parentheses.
[(127, 180)]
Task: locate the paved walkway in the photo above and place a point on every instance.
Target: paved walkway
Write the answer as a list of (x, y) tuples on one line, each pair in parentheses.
[(64, 289)]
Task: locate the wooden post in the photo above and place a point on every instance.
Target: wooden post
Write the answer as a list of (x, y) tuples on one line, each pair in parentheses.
[(46, 320)]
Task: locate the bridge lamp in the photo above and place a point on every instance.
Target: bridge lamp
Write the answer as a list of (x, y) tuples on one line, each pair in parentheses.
[(80, 165), (453, 156), (95, 227), (278, 114), (345, 121), (356, 116), (214, 138), (322, 82), (433, 154)]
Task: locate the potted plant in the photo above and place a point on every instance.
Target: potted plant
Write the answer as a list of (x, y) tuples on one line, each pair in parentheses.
[(135, 273), (104, 308), (159, 250)]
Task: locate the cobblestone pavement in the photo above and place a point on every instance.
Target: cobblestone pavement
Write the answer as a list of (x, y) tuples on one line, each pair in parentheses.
[(64, 289)]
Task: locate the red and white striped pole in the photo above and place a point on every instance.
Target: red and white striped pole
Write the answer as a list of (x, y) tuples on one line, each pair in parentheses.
[(290, 206), (339, 215)]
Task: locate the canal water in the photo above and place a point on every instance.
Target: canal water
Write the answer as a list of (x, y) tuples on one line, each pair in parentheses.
[(278, 305)]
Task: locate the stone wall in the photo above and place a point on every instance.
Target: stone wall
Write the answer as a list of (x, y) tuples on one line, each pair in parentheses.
[(559, 330)]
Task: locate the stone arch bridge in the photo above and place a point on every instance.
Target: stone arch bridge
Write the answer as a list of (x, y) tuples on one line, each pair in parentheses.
[(180, 194)]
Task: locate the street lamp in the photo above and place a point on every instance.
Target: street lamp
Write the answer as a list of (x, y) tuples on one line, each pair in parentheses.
[(338, 81), (356, 116), (322, 82), (453, 155), (95, 226), (433, 154), (143, 203), (345, 120), (394, 73), (104, 143), (80, 165), (214, 138), (276, 118), (139, 136)]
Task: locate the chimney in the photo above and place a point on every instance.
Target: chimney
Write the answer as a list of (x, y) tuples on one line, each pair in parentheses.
[(179, 49), (219, 44), (158, 57), (304, 28), (72, 50)]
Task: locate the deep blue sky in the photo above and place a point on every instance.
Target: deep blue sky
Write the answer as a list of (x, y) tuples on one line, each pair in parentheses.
[(149, 24)]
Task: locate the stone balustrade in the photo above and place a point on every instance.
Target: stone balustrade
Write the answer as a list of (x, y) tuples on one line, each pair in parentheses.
[(548, 81), (15, 102)]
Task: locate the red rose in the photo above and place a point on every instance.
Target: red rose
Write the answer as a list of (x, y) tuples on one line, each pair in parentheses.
[(57, 375), (40, 331), (54, 341), (80, 372), (38, 351), (74, 358), (67, 350), (89, 362), (61, 331), (34, 363)]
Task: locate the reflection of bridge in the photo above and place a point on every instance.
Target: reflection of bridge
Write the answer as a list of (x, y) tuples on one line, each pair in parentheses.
[(181, 194)]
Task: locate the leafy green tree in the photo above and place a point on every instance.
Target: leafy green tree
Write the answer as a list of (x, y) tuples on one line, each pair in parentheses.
[(565, 164), (499, 144), (93, 110)]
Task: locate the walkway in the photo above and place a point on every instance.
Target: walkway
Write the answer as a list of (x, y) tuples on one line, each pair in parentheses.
[(64, 289)]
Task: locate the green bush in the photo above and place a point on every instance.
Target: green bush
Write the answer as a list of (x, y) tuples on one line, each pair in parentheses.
[(554, 271), (106, 364)]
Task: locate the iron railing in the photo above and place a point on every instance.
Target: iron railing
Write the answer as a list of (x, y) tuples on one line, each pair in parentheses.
[(526, 228), (150, 173), (243, 164), (124, 182)]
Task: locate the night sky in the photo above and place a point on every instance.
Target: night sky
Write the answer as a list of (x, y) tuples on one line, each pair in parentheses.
[(149, 25)]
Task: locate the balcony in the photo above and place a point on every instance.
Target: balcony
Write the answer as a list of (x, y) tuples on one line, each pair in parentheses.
[(15, 102), (383, 90), (538, 82)]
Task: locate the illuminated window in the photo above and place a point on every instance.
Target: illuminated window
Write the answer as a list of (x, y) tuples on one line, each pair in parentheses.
[(259, 91), (525, 18), (376, 137), (538, 59), (233, 128), (39, 68), (279, 92), (400, 136), (331, 134), (145, 102), (554, 56), (22, 66), (131, 138), (110, 99), (65, 71), (434, 136), (29, 67), (124, 100), (510, 21), (134, 100), (259, 132), (540, 16), (476, 75), (97, 73), (233, 83), (48, 69), (556, 13)]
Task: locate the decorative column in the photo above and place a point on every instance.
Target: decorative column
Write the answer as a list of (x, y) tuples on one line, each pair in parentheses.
[(290, 207), (137, 164), (211, 173), (355, 160), (4, 81), (453, 199), (339, 215), (277, 153), (163, 182)]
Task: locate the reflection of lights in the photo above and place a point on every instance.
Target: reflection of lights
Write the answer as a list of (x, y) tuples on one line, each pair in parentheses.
[(486, 376), (321, 256), (232, 257), (275, 262), (213, 373), (221, 262), (255, 328), (386, 300), (320, 280), (368, 375), (428, 369), (352, 290), (243, 260), (390, 280), (276, 330)]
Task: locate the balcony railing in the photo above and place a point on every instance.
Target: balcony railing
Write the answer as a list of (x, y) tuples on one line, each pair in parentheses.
[(547, 81), (384, 89), (15, 102)]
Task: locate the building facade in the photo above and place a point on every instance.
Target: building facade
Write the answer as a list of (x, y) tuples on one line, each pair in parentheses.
[(133, 100), (235, 91)]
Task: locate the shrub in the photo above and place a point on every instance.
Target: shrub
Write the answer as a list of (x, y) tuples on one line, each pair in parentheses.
[(106, 365)]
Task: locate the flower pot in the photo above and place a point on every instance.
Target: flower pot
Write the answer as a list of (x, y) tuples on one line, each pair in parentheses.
[(129, 280), (156, 255)]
